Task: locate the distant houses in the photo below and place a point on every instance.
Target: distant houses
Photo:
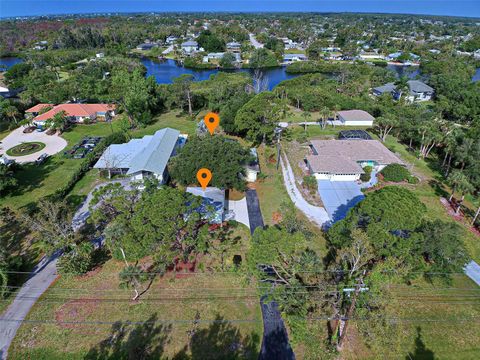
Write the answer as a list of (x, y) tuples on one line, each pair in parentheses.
[(418, 91), (370, 55), (344, 160), (143, 158), (355, 118), (76, 113)]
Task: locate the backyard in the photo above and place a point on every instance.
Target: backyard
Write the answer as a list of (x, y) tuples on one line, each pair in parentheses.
[(193, 312)]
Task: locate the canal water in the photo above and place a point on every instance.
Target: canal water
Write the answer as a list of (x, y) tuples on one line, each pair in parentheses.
[(165, 71)]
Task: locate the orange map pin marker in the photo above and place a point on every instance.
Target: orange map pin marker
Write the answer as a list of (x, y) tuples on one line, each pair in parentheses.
[(212, 121), (204, 176)]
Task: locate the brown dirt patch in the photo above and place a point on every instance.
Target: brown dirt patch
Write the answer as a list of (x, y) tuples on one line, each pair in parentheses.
[(276, 218), (74, 311)]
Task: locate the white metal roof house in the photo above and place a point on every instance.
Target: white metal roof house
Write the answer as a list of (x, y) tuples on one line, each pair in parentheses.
[(189, 46), (344, 160), (142, 158), (289, 58), (355, 118)]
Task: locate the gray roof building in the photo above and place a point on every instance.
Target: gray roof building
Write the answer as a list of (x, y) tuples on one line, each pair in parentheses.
[(355, 115), (148, 154), (346, 156)]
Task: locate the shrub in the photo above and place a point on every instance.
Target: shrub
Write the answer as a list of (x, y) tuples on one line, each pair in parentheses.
[(395, 173), (310, 182), (78, 261), (367, 175)]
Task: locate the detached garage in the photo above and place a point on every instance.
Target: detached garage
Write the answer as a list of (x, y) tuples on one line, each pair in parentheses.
[(355, 118)]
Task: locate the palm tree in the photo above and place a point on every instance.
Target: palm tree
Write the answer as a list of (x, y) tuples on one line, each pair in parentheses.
[(402, 86), (459, 182), (336, 109), (306, 115), (12, 112), (324, 114)]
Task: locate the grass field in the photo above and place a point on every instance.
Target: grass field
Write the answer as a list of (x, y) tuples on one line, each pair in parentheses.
[(171, 305)]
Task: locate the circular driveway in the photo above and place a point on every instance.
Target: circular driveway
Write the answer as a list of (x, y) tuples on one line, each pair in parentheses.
[(54, 144)]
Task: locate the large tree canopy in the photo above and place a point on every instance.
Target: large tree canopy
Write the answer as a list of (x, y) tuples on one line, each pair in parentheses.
[(225, 158), (150, 227), (388, 216), (259, 117)]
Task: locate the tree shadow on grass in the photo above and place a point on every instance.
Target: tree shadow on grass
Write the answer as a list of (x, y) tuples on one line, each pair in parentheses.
[(421, 352), (220, 340), (129, 342), (30, 175)]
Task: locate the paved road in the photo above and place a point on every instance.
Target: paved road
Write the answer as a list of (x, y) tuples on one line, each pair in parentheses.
[(472, 270), (254, 212), (44, 274), (316, 214), (254, 42), (275, 344)]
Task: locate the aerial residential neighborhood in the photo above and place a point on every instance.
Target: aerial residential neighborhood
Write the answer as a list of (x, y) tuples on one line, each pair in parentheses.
[(284, 180)]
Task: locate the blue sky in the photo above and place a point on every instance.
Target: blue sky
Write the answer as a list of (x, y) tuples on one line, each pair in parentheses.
[(469, 8)]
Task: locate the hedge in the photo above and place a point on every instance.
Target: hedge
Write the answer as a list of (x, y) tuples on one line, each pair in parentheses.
[(395, 173), (88, 162)]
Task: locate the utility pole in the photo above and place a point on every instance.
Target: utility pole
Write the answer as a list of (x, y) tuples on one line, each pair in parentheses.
[(350, 312)]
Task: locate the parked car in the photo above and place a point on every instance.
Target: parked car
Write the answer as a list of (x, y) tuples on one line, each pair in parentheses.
[(42, 159), (29, 129)]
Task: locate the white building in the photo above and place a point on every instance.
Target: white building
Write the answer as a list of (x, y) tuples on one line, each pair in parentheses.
[(355, 118), (344, 160), (189, 46), (364, 55), (143, 158), (289, 58)]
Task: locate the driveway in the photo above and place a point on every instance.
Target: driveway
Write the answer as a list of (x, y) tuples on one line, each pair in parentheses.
[(275, 344), (472, 270), (54, 144), (240, 210), (339, 197), (316, 214), (254, 212)]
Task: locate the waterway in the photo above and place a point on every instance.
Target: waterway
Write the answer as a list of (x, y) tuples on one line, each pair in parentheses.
[(8, 62), (165, 71)]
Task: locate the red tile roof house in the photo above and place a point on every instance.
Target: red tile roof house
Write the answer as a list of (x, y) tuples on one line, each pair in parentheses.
[(76, 113)]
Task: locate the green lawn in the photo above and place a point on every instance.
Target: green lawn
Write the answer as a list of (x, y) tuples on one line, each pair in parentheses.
[(172, 301)]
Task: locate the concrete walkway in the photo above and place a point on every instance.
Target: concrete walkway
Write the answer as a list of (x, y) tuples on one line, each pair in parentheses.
[(239, 208), (54, 144), (316, 214)]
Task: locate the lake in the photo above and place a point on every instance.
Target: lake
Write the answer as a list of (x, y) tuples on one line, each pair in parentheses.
[(165, 71), (8, 62)]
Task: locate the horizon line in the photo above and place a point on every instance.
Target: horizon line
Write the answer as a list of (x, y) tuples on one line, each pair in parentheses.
[(110, 13)]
